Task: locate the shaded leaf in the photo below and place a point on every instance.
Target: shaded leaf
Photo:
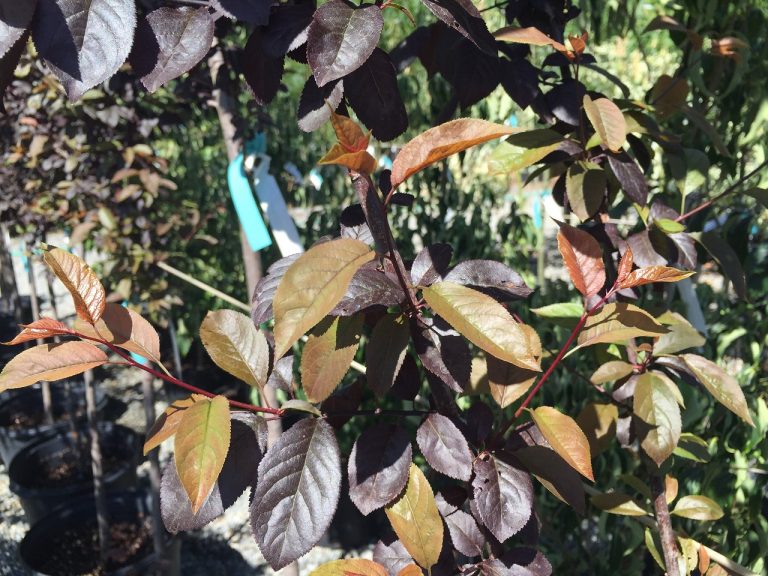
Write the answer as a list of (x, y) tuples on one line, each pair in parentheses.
[(385, 352), (200, 447), (378, 466), (655, 403), (312, 286), (15, 18), (583, 258), (723, 386), (464, 17), (50, 362), (416, 521), (360, 161), (507, 382), (326, 357), (485, 323), (585, 184), (444, 447), (168, 422), (617, 503), (669, 94), (431, 264), (681, 335), (630, 177), (42, 328), (350, 566), (652, 274), (297, 491), (78, 278), (598, 421), (607, 120), (261, 71), (611, 371), (281, 377), (444, 353), (340, 406), (509, 159), (394, 556), (313, 110), (490, 277), (236, 345), (288, 28), (465, 534), (8, 63), (442, 141), (169, 42), (726, 258), (565, 437), (124, 328), (618, 322), (554, 473), (264, 293), (254, 11), (697, 508), (368, 287), (341, 38), (84, 42), (668, 226)]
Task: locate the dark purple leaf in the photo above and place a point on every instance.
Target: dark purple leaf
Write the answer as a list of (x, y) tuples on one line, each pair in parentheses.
[(408, 381), (8, 64), (444, 447), (494, 278), (684, 253), (374, 211), (340, 406), (288, 27), (473, 74), (378, 466), (385, 353), (353, 224), (297, 492), (261, 302), (402, 199), (15, 17), (169, 42), (520, 79), (84, 42), (464, 17), (247, 447), (630, 177), (261, 72), (565, 101), (548, 466), (394, 557), (313, 110), (431, 264), (495, 567), (479, 422), (643, 250), (529, 558), (443, 352), (368, 287), (252, 11), (341, 38), (408, 50), (726, 258), (465, 533), (372, 92), (503, 495), (281, 377)]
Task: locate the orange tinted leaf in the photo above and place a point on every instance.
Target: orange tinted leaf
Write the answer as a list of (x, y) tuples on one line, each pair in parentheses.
[(598, 421), (662, 22), (669, 94), (625, 265), (359, 161), (566, 438), (348, 133), (124, 328), (410, 570), (443, 141), (652, 274), (507, 382), (200, 447), (79, 279), (607, 120), (611, 371), (583, 258), (351, 567), (43, 328), (530, 35), (671, 486), (168, 422), (50, 362), (312, 286)]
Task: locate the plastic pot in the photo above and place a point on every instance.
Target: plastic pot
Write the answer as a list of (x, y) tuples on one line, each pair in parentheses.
[(53, 471), (64, 543), (22, 419)]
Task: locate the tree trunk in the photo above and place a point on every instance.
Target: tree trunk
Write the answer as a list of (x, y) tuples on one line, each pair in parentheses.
[(158, 528), (9, 291), (45, 387)]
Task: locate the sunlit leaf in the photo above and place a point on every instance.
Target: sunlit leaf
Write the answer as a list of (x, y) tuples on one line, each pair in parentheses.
[(554, 473), (530, 35), (563, 313), (444, 447), (312, 286), (236, 345), (465, 534), (618, 322), (351, 567), (611, 371), (655, 403), (723, 386), (125, 328), (200, 447), (86, 289), (565, 437), (607, 120), (653, 274), (585, 185), (671, 486), (360, 161), (583, 258), (326, 357), (168, 422), (669, 226), (598, 421), (416, 521), (50, 362), (507, 382), (617, 503), (385, 352), (42, 328), (503, 495), (348, 133), (681, 336), (698, 508), (490, 277), (410, 570), (299, 405), (485, 323), (509, 159), (443, 141), (15, 18)]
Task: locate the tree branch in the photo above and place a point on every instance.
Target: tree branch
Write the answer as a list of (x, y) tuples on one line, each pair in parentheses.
[(666, 534)]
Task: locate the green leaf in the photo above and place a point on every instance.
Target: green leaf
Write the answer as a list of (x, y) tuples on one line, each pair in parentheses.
[(50, 362), (698, 508), (611, 371), (669, 226), (236, 345), (585, 185), (416, 521), (78, 278), (326, 357), (485, 323), (385, 352), (200, 447), (566, 438), (297, 405), (535, 138), (653, 549), (726, 258), (656, 405), (617, 503), (723, 387), (509, 159), (681, 336), (563, 314), (607, 120), (312, 286), (691, 447), (616, 323)]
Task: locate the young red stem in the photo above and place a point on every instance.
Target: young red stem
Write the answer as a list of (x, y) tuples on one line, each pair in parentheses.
[(563, 351)]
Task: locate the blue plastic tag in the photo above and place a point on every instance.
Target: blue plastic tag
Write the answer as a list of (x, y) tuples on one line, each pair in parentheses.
[(245, 205)]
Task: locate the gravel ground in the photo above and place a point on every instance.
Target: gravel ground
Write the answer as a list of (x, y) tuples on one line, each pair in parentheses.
[(225, 547)]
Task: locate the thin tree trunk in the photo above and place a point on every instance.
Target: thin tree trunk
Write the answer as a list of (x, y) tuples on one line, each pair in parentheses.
[(158, 529), (45, 387), (666, 534), (174, 347), (9, 291), (97, 467)]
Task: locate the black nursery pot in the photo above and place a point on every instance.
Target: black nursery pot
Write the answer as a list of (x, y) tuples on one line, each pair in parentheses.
[(22, 420), (65, 542), (53, 471)]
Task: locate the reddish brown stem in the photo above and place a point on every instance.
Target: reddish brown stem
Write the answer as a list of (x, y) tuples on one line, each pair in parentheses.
[(666, 534)]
